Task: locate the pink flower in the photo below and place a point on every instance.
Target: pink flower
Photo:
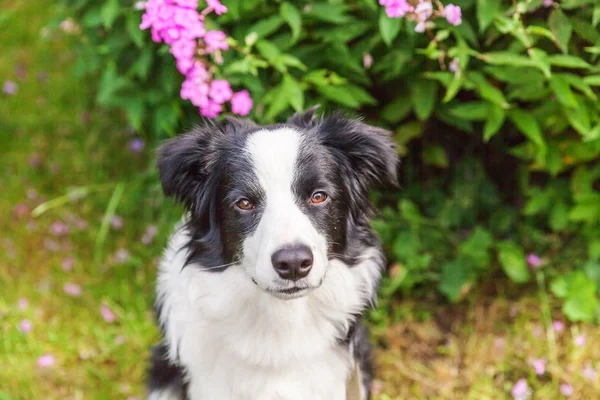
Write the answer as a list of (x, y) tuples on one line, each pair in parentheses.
[(187, 3), (184, 49), (9, 88), (220, 91), (539, 365), (121, 256), (107, 314), (46, 360), (211, 109), (25, 326), (566, 390), (548, 3), (215, 40), (534, 260), (72, 289), (454, 66), (423, 11), (23, 303), (67, 264), (588, 372), (196, 93), (241, 103), (579, 340), (520, 391), (216, 6), (140, 5), (453, 14), (135, 145), (59, 228), (558, 326), (396, 8), (116, 222), (420, 27), (367, 60), (149, 235)]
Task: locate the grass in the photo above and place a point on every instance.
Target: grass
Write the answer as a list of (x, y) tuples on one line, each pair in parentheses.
[(53, 140)]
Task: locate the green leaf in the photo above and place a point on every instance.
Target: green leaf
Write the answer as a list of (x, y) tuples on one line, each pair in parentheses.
[(594, 249), (507, 58), (477, 247), (267, 26), (397, 109), (294, 92), (561, 28), (559, 216), (541, 61), (494, 122), (292, 61), (486, 90), (562, 90), (109, 13), (409, 211), (471, 111), (134, 32), (278, 103), (512, 259), (268, 50), (560, 287), (596, 16), (328, 12), (585, 212), (340, 95), (528, 125), (581, 302), (593, 80), (454, 87), (423, 95), (388, 27), (435, 155), (456, 279), (361, 95), (291, 15), (565, 60), (580, 84), (486, 11)]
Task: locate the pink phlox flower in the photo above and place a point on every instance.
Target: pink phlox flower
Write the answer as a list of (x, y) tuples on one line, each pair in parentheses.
[(241, 103), (520, 391), (47, 360), (211, 109), (216, 6), (25, 326), (566, 390), (539, 365), (107, 314), (220, 91), (534, 260), (453, 14), (72, 289), (215, 40)]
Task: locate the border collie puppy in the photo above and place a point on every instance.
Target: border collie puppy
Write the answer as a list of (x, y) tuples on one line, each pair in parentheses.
[(263, 283)]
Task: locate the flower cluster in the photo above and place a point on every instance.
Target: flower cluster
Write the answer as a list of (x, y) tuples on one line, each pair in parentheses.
[(421, 11), (179, 24)]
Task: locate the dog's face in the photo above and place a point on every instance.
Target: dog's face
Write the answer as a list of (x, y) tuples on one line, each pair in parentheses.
[(278, 201)]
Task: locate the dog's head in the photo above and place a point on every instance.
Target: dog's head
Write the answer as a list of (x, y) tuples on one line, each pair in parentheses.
[(279, 201)]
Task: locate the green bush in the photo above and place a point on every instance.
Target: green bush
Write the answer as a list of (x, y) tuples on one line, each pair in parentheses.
[(500, 152)]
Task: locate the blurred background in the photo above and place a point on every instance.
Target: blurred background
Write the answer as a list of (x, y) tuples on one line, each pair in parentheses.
[(493, 238)]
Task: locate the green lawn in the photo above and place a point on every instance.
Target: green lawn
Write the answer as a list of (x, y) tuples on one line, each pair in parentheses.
[(53, 140)]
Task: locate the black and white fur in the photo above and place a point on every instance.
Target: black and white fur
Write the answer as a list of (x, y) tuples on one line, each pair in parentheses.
[(233, 328)]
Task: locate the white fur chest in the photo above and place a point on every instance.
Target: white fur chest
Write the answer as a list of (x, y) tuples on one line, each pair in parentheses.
[(237, 342)]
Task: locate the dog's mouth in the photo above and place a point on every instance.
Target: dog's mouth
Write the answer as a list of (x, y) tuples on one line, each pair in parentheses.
[(287, 293)]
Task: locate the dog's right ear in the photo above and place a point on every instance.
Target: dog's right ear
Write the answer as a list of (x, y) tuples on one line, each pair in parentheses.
[(185, 163), (306, 119)]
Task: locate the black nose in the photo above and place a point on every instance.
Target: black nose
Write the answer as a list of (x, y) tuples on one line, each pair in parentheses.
[(293, 262)]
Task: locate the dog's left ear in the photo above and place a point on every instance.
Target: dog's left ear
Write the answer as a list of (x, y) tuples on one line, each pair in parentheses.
[(368, 153)]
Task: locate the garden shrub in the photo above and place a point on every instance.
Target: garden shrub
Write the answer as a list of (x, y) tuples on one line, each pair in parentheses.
[(494, 106)]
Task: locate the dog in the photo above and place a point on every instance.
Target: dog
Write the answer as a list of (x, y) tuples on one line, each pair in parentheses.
[(261, 289)]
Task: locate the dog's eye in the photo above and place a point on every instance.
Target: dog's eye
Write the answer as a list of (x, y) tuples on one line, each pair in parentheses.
[(244, 204), (318, 197)]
